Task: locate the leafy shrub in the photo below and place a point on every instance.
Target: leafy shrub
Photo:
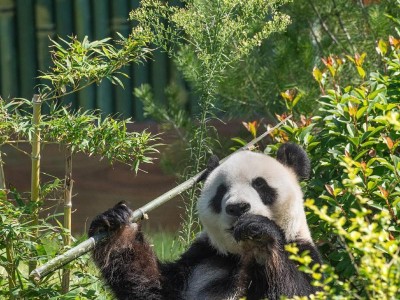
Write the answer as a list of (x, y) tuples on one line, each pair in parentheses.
[(354, 143), (15, 253), (26, 238)]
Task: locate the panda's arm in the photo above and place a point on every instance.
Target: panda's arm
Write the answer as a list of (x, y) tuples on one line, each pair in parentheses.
[(268, 263), (129, 265)]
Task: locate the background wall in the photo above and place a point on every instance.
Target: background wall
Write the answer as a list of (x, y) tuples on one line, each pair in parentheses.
[(27, 25)]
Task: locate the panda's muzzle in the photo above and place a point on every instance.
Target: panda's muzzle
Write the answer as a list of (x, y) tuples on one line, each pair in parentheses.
[(237, 209)]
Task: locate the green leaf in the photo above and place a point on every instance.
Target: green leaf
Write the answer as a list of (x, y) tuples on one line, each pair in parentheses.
[(317, 74), (116, 80), (372, 133), (382, 47), (361, 71), (3, 195), (351, 129), (361, 111)]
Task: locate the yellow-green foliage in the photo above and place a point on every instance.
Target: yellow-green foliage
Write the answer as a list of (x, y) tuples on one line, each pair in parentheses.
[(373, 251), (353, 142)]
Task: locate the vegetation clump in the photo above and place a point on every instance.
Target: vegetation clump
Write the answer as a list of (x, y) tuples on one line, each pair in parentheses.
[(353, 142)]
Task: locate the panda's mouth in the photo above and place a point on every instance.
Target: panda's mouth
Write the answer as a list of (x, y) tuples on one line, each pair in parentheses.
[(229, 230), (234, 221), (232, 227)]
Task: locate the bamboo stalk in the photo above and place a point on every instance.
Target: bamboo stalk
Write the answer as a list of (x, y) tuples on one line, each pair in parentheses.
[(2, 177), (11, 268), (137, 215), (68, 183), (35, 171)]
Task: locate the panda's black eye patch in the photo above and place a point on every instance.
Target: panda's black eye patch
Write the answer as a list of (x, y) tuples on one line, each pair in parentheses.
[(215, 202), (267, 194)]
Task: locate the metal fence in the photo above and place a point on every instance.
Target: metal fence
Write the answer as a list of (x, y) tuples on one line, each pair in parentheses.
[(25, 28)]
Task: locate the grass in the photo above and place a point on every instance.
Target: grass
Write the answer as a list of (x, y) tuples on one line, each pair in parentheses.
[(165, 244)]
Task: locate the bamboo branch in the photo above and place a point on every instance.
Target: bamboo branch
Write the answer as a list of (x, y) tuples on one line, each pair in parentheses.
[(137, 215), (11, 268), (35, 171), (68, 183), (2, 177)]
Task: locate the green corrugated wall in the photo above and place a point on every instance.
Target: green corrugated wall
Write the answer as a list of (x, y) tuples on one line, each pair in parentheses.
[(25, 28)]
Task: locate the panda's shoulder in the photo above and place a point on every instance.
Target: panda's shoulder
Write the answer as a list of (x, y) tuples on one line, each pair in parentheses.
[(201, 251)]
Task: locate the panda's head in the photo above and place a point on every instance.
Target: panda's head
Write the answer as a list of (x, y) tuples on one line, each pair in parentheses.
[(254, 183)]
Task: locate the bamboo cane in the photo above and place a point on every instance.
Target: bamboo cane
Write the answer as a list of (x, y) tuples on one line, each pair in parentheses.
[(35, 170), (137, 215), (68, 183), (2, 177)]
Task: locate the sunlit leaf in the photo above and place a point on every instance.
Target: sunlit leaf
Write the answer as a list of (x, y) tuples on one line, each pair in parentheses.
[(394, 42), (317, 74), (389, 142), (329, 188), (383, 191), (382, 47), (361, 72)]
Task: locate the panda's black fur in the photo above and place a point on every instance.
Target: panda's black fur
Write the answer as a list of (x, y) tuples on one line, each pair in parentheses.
[(250, 207)]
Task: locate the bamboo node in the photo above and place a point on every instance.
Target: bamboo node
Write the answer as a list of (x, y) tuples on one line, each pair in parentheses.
[(35, 275), (36, 99), (143, 213)]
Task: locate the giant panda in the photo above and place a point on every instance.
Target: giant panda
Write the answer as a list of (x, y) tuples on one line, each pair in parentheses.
[(250, 207)]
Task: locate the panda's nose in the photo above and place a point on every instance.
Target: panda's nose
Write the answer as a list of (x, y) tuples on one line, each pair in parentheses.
[(237, 209)]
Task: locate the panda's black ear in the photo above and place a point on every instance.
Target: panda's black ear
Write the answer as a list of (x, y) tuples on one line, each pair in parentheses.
[(296, 158), (212, 163)]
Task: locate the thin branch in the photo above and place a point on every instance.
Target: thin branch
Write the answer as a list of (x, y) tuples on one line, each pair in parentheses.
[(2, 177), (341, 24), (325, 27), (73, 91), (68, 184), (20, 150), (366, 17), (320, 48)]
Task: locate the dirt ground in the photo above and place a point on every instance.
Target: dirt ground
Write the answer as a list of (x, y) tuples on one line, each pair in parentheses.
[(99, 185)]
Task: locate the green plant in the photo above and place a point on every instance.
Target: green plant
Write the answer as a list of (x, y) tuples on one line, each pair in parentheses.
[(317, 29), (353, 142), (15, 252), (76, 65), (207, 41)]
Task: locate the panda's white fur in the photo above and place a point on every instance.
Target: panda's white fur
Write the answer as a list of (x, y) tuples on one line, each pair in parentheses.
[(237, 172)]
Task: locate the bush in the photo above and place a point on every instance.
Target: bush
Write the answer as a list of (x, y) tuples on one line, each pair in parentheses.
[(354, 143), (26, 238)]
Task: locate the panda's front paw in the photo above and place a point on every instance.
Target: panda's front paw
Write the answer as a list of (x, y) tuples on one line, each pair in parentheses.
[(110, 220), (259, 229)]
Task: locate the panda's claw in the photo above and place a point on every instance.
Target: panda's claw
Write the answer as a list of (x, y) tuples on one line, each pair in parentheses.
[(110, 220), (257, 229)]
